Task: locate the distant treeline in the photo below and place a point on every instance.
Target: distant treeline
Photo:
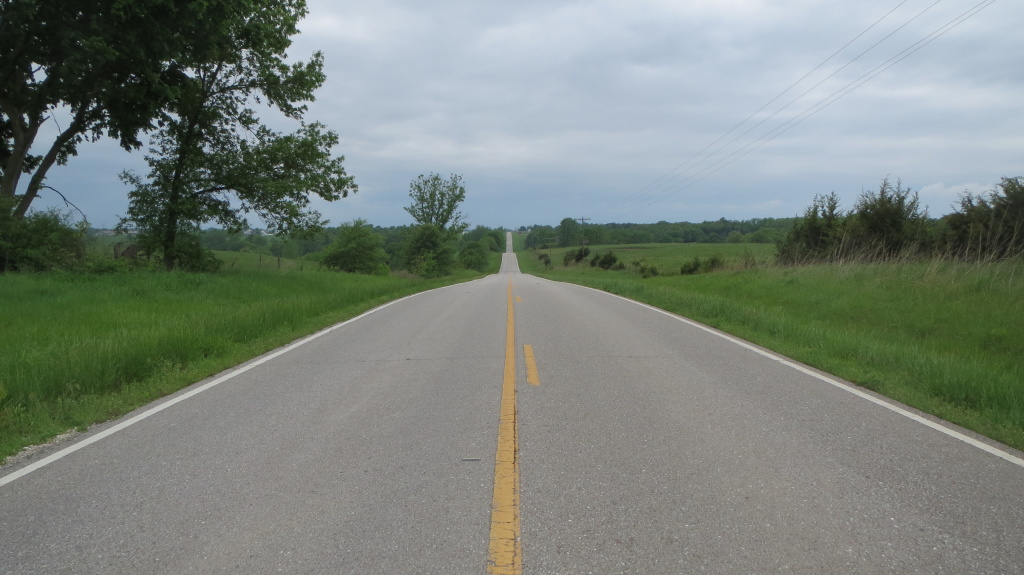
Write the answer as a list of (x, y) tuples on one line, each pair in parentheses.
[(399, 244), (571, 233)]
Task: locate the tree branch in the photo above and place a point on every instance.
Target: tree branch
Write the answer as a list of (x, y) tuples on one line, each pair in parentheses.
[(66, 201)]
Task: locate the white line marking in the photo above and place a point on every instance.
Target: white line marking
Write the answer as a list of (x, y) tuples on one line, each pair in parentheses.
[(841, 385), (174, 401)]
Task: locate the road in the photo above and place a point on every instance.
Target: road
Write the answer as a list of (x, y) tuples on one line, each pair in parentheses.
[(648, 444)]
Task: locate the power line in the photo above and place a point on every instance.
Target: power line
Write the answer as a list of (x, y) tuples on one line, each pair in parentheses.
[(667, 184), (829, 100), (672, 177)]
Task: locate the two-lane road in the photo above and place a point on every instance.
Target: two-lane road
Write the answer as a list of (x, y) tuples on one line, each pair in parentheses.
[(648, 445)]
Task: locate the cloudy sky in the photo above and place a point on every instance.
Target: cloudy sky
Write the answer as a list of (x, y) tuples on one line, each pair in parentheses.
[(640, 111)]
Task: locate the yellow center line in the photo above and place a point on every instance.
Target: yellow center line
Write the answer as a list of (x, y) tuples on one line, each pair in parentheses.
[(505, 554), (531, 366)]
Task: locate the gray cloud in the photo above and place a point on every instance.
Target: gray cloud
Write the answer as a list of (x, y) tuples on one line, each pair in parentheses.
[(555, 109)]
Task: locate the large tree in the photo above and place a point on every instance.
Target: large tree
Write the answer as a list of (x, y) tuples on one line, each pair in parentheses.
[(435, 202), (105, 67), (213, 158)]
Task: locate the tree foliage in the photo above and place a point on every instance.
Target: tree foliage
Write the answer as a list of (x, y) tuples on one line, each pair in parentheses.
[(889, 222), (214, 161), (429, 252), (758, 230), (474, 255), (882, 225), (430, 245), (569, 233), (989, 226), (41, 241), (109, 66), (357, 249), (435, 202)]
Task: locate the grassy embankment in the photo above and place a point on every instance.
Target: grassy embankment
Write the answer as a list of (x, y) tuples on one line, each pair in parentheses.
[(945, 337), (79, 349)]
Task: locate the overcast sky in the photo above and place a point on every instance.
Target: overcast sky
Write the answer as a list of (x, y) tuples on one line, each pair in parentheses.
[(621, 111)]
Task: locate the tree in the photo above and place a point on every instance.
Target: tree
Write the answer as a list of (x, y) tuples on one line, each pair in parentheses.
[(435, 202), (889, 221), (540, 237), (474, 255), (213, 160), (990, 225), (429, 252), (108, 65), (819, 235), (435, 207), (357, 249), (569, 232)]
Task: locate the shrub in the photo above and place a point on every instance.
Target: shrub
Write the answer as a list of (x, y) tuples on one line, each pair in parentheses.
[(607, 261), (474, 255), (192, 257), (41, 241), (888, 223), (429, 253), (699, 266), (575, 256), (883, 225), (817, 235), (356, 249), (989, 226)]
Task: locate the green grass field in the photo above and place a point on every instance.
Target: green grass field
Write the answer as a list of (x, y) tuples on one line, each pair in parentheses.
[(942, 336), (81, 348)]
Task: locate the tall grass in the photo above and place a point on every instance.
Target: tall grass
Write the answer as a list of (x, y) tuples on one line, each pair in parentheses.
[(82, 348), (946, 337)]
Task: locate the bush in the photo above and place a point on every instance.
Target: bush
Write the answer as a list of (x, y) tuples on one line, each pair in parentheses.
[(41, 241), (883, 225), (474, 255), (575, 256), (192, 256), (607, 261), (888, 223), (429, 253), (699, 266), (989, 226), (356, 249), (817, 235)]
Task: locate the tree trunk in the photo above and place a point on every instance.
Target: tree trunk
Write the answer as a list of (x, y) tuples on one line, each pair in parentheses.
[(62, 140)]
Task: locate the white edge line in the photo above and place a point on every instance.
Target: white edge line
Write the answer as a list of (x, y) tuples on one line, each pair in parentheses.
[(157, 409), (841, 385)]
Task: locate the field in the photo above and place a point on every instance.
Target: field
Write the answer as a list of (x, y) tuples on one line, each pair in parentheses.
[(942, 336), (83, 348)]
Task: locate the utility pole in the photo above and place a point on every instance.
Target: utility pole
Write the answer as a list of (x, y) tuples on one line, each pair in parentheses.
[(583, 240)]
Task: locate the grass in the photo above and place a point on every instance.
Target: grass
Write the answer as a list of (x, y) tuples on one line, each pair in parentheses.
[(942, 336), (79, 348)]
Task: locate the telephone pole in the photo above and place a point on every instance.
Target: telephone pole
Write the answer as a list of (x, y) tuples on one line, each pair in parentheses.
[(583, 240)]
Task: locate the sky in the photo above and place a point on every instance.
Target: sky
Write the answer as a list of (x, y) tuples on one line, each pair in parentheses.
[(646, 110)]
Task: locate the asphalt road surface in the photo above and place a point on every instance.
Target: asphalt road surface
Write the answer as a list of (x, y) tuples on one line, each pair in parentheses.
[(640, 442)]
